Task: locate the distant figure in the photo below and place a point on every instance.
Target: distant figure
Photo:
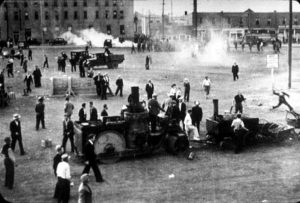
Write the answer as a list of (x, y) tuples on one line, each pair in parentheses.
[(148, 62), (154, 109), (206, 84), (84, 190), (133, 49), (281, 99), (29, 54), (173, 91), (28, 81), (239, 133), (104, 111), (119, 83), (187, 88), (10, 68), (197, 115), (37, 75), (190, 129), (46, 64), (149, 89), (16, 135), (238, 101), (235, 71), (81, 67), (68, 133), (9, 163), (93, 112), (182, 109), (25, 65), (73, 63), (69, 107), (40, 113), (82, 113)]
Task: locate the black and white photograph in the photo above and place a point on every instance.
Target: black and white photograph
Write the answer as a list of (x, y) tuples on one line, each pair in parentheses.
[(149, 101)]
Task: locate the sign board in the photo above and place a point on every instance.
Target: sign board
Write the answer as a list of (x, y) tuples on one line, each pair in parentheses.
[(273, 61)]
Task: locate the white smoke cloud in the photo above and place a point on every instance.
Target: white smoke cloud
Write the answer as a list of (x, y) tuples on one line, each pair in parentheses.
[(97, 38)]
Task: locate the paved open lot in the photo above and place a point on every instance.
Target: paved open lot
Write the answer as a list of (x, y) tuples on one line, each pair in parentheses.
[(268, 172)]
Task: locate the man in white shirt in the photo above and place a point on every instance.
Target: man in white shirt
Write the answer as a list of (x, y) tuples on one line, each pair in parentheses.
[(239, 132), (63, 180), (206, 85), (190, 130)]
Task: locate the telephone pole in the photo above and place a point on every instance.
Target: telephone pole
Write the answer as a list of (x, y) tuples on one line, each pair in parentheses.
[(163, 20), (290, 44)]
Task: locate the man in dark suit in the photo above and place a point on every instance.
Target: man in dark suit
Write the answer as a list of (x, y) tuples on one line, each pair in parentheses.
[(82, 113), (40, 113), (15, 129), (173, 112), (90, 159), (182, 109), (68, 133), (93, 113), (149, 89), (119, 83), (197, 115), (235, 71)]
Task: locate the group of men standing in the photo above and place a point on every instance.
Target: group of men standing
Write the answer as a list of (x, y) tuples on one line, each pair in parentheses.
[(102, 85)]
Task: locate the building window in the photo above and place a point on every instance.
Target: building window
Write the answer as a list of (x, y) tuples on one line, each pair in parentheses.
[(55, 4), (46, 4), (16, 4), (75, 17), (122, 29), (241, 22), (25, 4), (65, 3), (295, 21), (26, 16), (108, 29), (229, 20), (121, 14), (16, 15), (257, 22), (114, 2), (85, 3), (46, 15), (56, 16), (115, 14), (97, 3), (66, 15), (106, 3), (269, 22), (36, 15), (85, 14), (106, 14), (75, 3), (97, 15)]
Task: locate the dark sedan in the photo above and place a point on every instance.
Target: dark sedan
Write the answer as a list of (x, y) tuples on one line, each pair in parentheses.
[(57, 41)]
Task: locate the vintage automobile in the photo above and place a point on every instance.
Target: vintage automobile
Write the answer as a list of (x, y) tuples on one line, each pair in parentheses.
[(58, 41), (101, 59), (129, 134), (77, 54)]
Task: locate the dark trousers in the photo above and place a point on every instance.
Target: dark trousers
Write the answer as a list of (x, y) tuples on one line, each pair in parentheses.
[(46, 64), (207, 89), (94, 166), (64, 142), (29, 57), (63, 190), (40, 119), (63, 68), (82, 72), (119, 89), (73, 67), (238, 139), (235, 76), (197, 124), (103, 92), (239, 108), (9, 173), (283, 102), (186, 96), (10, 73), (149, 95), (14, 139), (153, 120), (28, 89)]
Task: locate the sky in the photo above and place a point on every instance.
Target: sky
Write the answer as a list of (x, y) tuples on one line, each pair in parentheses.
[(180, 6)]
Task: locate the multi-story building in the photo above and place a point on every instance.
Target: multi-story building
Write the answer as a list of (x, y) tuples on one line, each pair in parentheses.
[(47, 19)]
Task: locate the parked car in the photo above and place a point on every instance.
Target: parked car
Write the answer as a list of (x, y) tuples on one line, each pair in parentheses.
[(33, 42), (57, 41)]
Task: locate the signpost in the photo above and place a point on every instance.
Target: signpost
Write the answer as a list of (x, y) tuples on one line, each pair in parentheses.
[(272, 62)]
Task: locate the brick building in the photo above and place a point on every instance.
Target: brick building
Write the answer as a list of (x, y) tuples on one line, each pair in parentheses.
[(47, 19)]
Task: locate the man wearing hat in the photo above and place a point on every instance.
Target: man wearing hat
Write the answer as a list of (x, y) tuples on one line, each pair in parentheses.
[(173, 112), (68, 133), (82, 113), (9, 162), (154, 109), (90, 159), (197, 115), (63, 180), (40, 113), (93, 112), (15, 130), (149, 89), (84, 190)]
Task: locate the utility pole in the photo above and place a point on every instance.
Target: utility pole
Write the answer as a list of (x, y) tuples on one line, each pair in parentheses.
[(195, 17), (290, 44), (163, 20)]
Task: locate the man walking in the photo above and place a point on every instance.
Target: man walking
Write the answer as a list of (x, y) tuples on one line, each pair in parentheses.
[(46, 64), (235, 71), (149, 89), (37, 75), (40, 113), (197, 115), (28, 81), (90, 159), (119, 83), (187, 88), (68, 133), (16, 135), (206, 84)]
